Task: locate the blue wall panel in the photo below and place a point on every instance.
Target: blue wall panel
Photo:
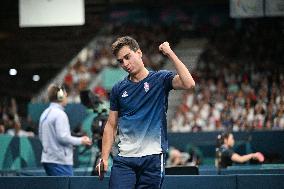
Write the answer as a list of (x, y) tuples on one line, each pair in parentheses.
[(88, 182), (200, 182), (260, 181), (170, 182), (34, 182)]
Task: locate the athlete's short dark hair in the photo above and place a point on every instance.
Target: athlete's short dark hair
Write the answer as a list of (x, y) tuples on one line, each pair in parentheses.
[(124, 41)]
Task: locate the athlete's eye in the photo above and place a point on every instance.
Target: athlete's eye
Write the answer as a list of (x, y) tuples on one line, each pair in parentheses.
[(120, 61), (127, 57)]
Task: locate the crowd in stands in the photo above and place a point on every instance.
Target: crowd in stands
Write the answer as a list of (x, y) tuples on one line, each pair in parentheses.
[(10, 121), (240, 82)]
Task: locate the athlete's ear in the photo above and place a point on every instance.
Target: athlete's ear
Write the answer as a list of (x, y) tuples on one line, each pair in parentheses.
[(139, 52)]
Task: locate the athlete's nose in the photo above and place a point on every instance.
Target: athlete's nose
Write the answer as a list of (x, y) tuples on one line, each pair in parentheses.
[(125, 62)]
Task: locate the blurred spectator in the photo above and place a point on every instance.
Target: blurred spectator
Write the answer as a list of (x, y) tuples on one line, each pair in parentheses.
[(176, 157), (17, 131), (192, 156), (195, 155), (2, 127), (10, 121)]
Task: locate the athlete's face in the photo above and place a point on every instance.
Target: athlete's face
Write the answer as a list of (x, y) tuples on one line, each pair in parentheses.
[(230, 141), (129, 60)]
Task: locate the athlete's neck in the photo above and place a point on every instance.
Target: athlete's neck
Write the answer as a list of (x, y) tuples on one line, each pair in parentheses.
[(139, 76)]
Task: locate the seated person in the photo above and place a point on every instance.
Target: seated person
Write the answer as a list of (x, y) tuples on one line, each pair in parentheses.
[(2, 127), (227, 154), (17, 130), (176, 157)]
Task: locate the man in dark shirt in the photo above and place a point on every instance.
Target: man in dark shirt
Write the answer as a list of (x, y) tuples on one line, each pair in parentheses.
[(228, 156)]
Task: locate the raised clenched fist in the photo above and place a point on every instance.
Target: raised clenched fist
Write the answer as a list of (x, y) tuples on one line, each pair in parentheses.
[(165, 48)]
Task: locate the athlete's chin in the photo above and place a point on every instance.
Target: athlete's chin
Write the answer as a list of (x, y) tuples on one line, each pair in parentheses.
[(128, 70), (131, 71)]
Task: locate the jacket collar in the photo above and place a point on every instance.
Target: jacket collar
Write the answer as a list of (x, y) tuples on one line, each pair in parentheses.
[(56, 105)]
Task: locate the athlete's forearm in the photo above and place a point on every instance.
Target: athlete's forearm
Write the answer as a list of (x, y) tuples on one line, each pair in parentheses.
[(241, 159), (184, 75), (108, 139)]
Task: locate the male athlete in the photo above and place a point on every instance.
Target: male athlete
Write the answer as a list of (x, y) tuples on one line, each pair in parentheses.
[(138, 109)]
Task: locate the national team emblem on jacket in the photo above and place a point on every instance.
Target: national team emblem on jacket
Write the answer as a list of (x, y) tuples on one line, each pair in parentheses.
[(124, 94), (146, 87)]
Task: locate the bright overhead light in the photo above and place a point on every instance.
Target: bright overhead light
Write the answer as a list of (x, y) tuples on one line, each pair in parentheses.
[(13, 71), (36, 78)]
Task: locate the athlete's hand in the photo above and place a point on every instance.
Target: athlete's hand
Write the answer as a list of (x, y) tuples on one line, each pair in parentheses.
[(105, 163), (259, 156), (165, 48), (86, 141), (101, 168)]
